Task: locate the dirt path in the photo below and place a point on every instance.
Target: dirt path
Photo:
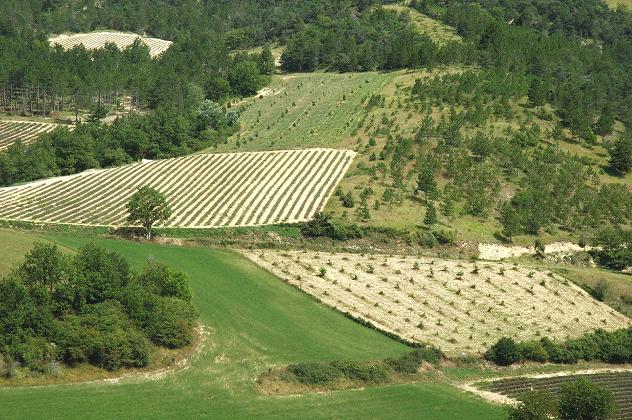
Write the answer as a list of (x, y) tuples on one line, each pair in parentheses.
[(497, 398)]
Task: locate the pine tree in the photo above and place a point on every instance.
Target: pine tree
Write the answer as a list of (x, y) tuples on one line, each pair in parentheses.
[(621, 155), (431, 214), (447, 208), (426, 182), (363, 210), (509, 220)]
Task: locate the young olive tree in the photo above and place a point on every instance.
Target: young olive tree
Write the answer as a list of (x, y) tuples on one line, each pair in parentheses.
[(146, 207)]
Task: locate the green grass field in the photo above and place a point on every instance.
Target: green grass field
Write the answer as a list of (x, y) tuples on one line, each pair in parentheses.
[(255, 321), (305, 110)]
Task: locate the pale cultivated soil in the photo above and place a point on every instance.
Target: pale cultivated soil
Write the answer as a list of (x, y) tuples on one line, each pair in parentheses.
[(25, 131), (444, 302), (97, 40), (204, 190), (495, 252)]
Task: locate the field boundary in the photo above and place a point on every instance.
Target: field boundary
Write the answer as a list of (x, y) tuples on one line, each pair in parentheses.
[(497, 398)]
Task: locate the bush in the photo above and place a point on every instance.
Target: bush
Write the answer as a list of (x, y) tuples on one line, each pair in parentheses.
[(584, 400), (410, 362), (315, 373), (355, 371), (504, 353), (534, 351), (161, 280), (170, 322), (534, 405)]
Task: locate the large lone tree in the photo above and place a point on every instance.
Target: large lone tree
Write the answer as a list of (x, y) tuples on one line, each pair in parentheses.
[(146, 207)]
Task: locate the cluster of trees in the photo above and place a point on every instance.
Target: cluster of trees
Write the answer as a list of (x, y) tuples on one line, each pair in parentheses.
[(38, 78), (245, 23), (377, 39), (579, 52), (606, 346), (164, 133), (89, 308)]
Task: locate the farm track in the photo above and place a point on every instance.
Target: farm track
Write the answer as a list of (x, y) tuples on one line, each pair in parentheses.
[(204, 190), (25, 131), (97, 40), (456, 306)]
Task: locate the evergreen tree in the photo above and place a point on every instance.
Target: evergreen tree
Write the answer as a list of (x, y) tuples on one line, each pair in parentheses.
[(426, 182), (363, 210), (509, 220), (266, 60), (431, 214), (605, 123), (621, 155)]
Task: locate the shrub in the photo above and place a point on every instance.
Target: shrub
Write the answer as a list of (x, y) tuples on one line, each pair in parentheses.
[(314, 373), (504, 353), (170, 323), (584, 400), (534, 351), (534, 405), (353, 370), (161, 280), (410, 362)]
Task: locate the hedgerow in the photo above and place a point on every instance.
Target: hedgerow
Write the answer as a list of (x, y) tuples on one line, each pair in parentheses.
[(606, 346)]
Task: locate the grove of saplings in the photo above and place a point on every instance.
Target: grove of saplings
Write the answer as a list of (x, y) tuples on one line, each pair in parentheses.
[(89, 308)]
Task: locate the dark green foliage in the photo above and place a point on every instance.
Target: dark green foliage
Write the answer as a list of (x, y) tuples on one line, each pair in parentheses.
[(89, 308), (504, 353), (509, 220), (606, 346), (373, 373), (534, 405), (315, 373), (426, 182), (159, 279), (376, 39), (431, 214), (616, 248), (324, 226), (146, 207), (584, 400), (170, 323), (410, 362), (621, 154)]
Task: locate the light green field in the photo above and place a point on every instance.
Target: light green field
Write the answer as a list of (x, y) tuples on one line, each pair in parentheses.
[(615, 3), (305, 110), (256, 321), (437, 31)]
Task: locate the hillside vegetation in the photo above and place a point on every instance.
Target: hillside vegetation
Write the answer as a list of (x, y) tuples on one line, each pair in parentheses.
[(255, 322)]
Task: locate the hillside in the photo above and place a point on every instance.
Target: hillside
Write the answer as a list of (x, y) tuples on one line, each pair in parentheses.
[(255, 322)]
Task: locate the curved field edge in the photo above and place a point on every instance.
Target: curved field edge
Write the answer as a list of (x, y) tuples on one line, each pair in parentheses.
[(171, 361), (256, 322), (457, 306), (480, 387)]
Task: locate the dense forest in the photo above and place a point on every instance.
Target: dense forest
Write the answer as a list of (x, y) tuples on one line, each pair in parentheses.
[(89, 308)]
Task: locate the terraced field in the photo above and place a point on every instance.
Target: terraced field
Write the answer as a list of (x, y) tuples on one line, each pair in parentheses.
[(204, 190), (24, 131), (456, 306), (303, 110), (97, 40), (620, 383)]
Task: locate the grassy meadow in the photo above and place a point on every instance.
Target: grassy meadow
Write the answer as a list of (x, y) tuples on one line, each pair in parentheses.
[(256, 322)]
